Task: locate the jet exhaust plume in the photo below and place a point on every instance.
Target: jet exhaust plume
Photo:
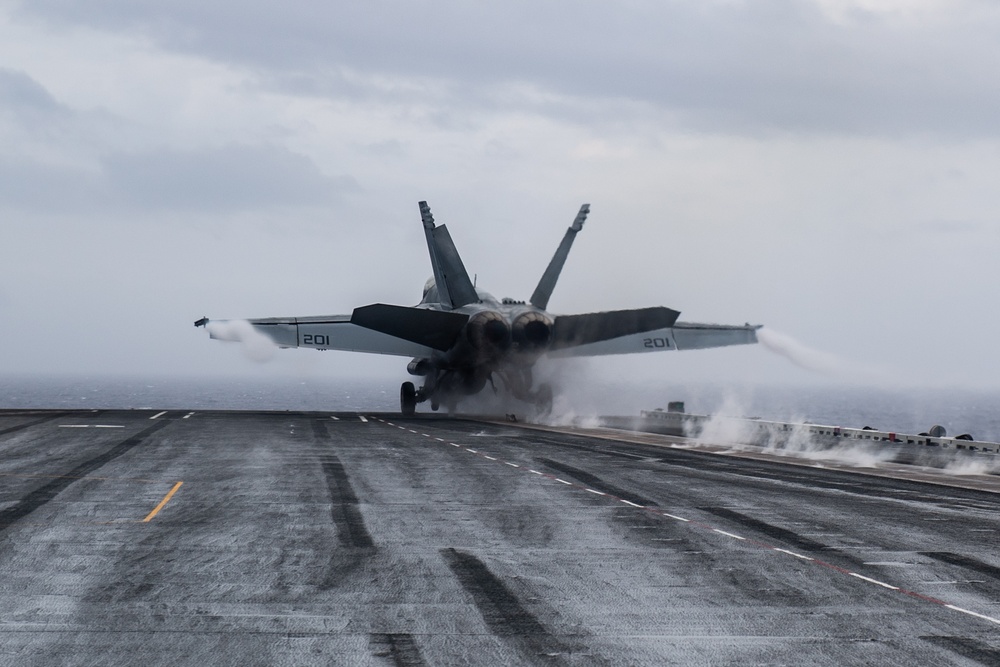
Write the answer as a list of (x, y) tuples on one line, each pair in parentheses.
[(255, 345)]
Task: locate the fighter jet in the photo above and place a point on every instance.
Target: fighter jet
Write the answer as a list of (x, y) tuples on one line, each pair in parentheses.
[(462, 339)]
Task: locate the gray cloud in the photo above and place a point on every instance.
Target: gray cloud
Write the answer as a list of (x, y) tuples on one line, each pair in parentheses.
[(233, 177), (19, 92), (30, 184), (731, 67), (229, 178)]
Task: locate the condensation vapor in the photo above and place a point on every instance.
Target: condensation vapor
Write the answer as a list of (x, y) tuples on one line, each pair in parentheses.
[(728, 428), (254, 345), (818, 361)]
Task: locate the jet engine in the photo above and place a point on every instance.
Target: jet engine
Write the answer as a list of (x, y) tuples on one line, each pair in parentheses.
[(531, 331), (488, 329)]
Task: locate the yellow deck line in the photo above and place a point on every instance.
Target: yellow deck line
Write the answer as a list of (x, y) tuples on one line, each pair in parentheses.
[(166, 499)]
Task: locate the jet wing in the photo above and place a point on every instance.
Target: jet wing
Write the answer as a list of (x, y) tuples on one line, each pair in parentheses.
[(377, 329), (644, 330)]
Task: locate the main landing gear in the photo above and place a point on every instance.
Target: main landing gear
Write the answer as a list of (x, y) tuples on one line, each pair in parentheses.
[(407, 399)]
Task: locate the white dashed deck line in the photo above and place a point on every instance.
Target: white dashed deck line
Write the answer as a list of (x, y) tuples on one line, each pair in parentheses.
[(722, 532), (874, 581), (653, 510), (158, 414), (972, 613)]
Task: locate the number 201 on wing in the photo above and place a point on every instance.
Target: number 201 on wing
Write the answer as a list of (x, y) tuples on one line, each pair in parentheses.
[(315, 339)]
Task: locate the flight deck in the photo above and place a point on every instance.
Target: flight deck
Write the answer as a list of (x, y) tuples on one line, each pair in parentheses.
[(281, 538)]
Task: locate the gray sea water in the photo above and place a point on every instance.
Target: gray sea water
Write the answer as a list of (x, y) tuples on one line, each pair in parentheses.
[(902, 410)]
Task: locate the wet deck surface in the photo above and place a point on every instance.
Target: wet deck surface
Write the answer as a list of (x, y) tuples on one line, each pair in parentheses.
[(327, 538)]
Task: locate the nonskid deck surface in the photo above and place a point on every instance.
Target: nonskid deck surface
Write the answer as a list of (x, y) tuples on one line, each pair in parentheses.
[(243, 538)]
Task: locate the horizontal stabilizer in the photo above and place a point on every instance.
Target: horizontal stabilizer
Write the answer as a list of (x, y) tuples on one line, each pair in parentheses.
[(436, 329), (573, 330)]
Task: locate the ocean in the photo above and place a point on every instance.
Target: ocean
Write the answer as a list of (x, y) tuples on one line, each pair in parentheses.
[(976, 412)]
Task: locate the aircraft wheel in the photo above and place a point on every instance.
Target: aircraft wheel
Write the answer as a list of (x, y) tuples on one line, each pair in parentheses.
[(435, 405), (407, 399)]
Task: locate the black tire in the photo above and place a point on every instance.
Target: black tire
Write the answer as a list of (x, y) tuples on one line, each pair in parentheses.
[(407, 399)]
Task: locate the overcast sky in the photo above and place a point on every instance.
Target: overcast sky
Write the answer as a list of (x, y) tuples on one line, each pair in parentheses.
[(830, 169)]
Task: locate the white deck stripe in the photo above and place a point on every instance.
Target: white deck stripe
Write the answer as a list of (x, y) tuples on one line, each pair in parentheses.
[(158, 414), (722, 532), (972, 613), (874, 581)]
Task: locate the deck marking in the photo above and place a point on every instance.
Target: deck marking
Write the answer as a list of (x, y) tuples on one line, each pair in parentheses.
[(874, 581), (187, 416), (757, 543), (722, 532), (158, 414), (166, 499), (336, 419), (972, 613), (362, 418)]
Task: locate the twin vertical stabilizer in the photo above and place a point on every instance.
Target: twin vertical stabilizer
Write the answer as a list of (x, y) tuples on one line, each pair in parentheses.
[(452, 280), (540, 297)]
